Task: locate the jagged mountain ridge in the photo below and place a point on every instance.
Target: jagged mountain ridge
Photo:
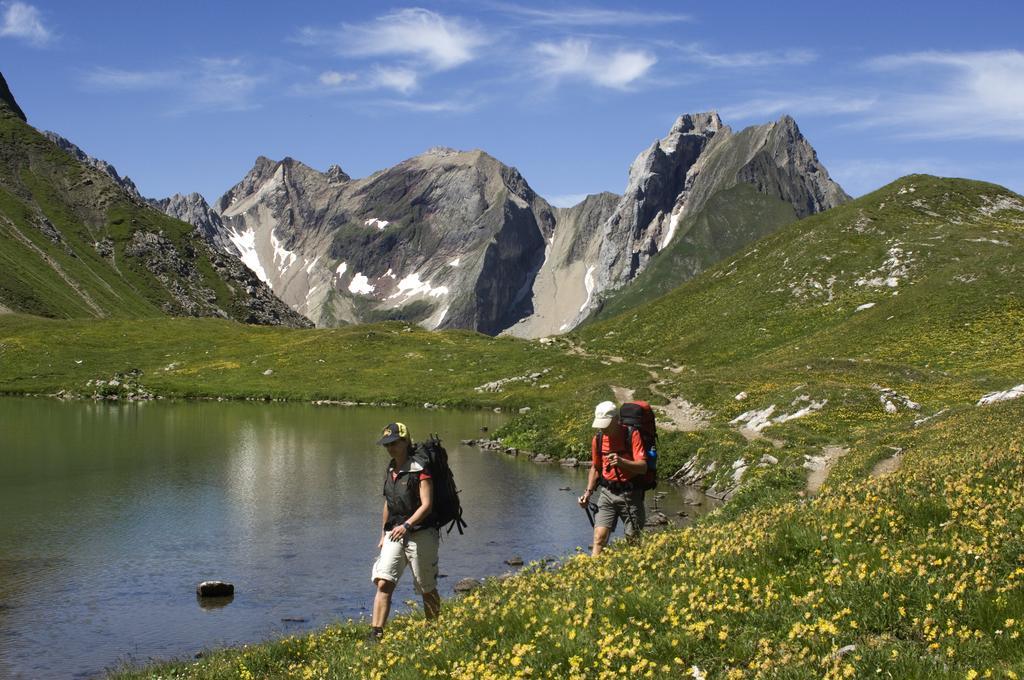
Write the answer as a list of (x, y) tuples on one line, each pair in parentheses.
[(76, 241), (459, 240)]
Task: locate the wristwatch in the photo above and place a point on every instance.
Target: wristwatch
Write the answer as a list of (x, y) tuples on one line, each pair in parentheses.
[(407, 526)]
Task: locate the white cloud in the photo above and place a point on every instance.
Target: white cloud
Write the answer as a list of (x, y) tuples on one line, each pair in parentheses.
[(825, 104), (440, 41), (576, 58), (206, 84), (791, 57), (23, 21), (334, 78), (399, 79), (438, 106), (590, 16), (972, 94)]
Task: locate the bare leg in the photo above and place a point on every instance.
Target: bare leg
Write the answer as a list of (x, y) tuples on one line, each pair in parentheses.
[(600, 538), (382, 603), (432, 604)]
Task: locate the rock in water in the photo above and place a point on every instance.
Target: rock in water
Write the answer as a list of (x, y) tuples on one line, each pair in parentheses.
[(467, 585), (215, 589)]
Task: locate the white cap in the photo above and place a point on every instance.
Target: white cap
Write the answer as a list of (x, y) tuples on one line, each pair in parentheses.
[(604, 413)]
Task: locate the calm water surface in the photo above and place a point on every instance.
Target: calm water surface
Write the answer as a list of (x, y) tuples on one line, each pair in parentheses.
[(111, 514)]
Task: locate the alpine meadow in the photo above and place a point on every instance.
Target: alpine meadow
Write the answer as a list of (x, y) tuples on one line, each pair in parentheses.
[(846, 375)]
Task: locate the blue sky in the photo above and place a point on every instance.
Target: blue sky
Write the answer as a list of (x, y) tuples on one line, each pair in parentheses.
[(184, 96)]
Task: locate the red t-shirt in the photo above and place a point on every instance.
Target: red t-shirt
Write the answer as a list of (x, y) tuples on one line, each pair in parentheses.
[(616, 443)]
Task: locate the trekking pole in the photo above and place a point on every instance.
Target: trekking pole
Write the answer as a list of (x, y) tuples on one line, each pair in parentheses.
[(590, 515)]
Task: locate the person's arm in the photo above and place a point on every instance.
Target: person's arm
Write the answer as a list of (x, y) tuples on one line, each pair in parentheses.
[(594, 475), (592, 478), (426, 503), (638, 465)]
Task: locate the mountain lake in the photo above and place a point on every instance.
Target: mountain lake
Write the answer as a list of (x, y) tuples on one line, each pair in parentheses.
[(113, 513)]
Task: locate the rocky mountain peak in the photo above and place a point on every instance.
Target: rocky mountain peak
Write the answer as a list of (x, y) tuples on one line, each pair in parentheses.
[(193, 209), (698, 123), (336, 174), (7, 100)]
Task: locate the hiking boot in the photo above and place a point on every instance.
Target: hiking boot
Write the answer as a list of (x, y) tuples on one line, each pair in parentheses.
[(375, 634)]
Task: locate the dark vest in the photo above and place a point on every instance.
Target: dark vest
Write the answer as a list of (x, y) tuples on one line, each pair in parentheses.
[(402, 495)]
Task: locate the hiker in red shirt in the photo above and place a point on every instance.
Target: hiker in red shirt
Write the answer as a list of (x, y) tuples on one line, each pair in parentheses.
[(617, 464)]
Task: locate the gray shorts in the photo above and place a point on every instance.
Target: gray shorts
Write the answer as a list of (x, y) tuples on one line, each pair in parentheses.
[(628, 505), (419, 550)]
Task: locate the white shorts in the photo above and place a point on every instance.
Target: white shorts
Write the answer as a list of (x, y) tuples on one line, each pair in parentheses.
[(418, 549)]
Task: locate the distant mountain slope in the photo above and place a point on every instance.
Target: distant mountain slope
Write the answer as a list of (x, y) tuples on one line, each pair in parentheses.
[(925, 270), (75, 242)]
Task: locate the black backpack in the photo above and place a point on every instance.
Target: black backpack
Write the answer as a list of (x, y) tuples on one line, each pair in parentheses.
[(447, 510)]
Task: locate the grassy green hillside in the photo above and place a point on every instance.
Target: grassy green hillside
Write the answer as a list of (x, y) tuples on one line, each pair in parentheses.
[(73, 244), (864, 336)]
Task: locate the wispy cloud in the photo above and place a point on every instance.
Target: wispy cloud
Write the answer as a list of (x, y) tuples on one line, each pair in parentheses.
[(336, 79), (23, 21), (206, 84), (790, 57), (399, 79), (971, 94), (577, 58), (588, 16), (441, 42), (797, 104), (459, 105)]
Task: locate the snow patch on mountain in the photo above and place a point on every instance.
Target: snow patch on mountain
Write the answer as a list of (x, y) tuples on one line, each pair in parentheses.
[(588, 281), (374, 222), (245, 243), (360, 285), (673, 222), (411, 286), (283, 258)]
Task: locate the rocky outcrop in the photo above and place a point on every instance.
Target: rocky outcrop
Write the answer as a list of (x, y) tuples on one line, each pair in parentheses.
[(106, 168), (194, 209)]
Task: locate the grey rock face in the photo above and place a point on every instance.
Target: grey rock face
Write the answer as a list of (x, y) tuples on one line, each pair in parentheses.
[(106, 168), (194, 209)]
